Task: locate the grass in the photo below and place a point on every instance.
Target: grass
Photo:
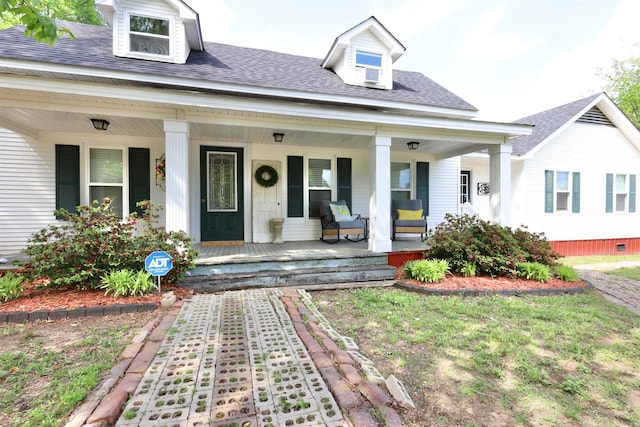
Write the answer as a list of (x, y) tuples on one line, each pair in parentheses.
[(41, 384), (562, 360), (574, 261), (628, 272)]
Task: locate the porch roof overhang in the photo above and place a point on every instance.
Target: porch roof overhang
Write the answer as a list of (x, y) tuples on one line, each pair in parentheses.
[(41, 106)]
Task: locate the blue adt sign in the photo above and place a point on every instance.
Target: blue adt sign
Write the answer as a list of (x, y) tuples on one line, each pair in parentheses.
[(158, 263)]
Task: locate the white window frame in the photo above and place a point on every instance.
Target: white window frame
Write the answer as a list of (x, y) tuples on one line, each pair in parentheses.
[(170, 37), (124, 185), (618, 193), (363, 67), (411, 189), (567, 193), (308, 188)]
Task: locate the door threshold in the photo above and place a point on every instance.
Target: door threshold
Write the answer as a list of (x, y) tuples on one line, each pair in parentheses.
[(230, 243)]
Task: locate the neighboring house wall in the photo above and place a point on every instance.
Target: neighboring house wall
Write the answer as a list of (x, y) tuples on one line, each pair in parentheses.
[(27, 196), (591, 150), (594, 151)]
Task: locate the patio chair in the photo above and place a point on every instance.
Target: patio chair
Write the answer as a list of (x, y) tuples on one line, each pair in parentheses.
[(407, 216), (338, 222)]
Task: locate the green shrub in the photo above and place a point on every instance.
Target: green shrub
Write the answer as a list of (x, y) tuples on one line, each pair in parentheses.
[(534, 271), (10, 286), (126, 282), (566, 273), (427, 270), (494, 249), (89, 244), (469, 269)]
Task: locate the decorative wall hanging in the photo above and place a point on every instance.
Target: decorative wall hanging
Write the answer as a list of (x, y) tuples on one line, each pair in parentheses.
[(161, 172), (484, 188), (266, 176)]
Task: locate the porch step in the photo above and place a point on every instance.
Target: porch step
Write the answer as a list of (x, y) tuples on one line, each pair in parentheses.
[(304, 271), (284, 264), (306, 277)]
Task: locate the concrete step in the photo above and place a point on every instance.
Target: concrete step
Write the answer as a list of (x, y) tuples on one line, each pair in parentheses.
[(286, 264), (294, 278)]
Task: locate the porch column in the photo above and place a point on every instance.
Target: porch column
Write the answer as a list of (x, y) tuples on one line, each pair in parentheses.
[(176, 134), (500, 183), (380, 195)]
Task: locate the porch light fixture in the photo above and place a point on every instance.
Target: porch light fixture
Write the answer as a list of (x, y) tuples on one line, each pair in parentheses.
[(413, 145), (278, 137), (100, 124)]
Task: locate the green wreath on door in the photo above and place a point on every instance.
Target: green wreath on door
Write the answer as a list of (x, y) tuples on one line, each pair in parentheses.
[(266, 176)]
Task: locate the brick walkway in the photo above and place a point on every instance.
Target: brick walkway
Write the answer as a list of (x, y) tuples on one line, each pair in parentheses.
[(252, 358), (619, 290)]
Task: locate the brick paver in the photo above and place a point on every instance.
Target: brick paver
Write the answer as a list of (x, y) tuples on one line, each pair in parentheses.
[(620, 290)]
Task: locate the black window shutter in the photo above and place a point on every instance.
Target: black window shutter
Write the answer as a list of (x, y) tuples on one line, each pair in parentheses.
[(632, 193), (344, 180), (295, 186), (422, 185), (67, 177), (548, 191), (609, 194), (575, 193), (139, 179)]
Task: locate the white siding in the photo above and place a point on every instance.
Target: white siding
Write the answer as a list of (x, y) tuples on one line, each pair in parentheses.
[(593, 151), (156, 9), (27, 193), (443, 189)]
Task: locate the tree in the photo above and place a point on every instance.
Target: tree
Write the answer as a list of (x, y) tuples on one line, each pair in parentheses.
[(39, 16), (623, 85)]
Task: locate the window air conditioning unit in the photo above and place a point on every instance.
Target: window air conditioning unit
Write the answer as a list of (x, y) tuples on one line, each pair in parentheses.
[(372, 75)]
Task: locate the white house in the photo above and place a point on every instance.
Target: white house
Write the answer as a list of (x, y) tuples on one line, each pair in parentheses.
[(95, 116), (573, 178)]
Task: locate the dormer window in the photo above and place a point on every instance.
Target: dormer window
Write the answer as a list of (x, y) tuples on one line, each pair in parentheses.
[(370, 65), (149, 35)]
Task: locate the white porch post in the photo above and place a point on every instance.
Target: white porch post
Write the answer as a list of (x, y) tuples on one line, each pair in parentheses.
[(500, 183), (380, 196), (177, 175)]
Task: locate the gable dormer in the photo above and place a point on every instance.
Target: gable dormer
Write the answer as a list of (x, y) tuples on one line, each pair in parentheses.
[(364, 55), (156, 30)]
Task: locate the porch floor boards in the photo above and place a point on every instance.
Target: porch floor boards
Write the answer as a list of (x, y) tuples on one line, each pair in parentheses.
[(289, 251)]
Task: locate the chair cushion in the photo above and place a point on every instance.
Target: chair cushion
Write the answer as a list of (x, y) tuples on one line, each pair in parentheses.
[(410, 215), (340, 212), (411, 223)]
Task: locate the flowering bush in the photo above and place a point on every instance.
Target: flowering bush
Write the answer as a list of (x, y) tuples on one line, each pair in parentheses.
[(494, 249), (93, 242)]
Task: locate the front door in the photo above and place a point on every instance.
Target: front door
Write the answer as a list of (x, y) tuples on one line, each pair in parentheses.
[(265, 202), (221, 194)]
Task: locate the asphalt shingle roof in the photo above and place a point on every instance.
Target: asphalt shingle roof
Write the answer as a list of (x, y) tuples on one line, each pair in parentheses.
[(226, 64), (547, 122)]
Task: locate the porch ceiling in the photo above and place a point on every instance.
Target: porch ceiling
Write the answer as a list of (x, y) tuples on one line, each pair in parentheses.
[(53, 114)]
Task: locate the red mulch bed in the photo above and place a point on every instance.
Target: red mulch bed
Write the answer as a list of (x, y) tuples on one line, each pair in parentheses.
[(33, 299), (484, 283)]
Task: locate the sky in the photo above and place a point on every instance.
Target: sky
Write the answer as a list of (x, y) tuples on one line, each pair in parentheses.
[(508, 58)]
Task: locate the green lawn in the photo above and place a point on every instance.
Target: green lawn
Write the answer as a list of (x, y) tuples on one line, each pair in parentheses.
[(628, 272), (499, 361)]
